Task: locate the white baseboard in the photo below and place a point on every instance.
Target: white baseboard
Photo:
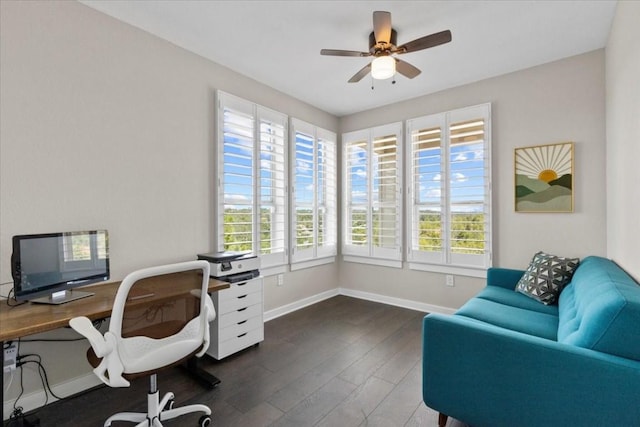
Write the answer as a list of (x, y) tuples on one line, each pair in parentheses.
[(398, 302), (297, 305), (36, 399)]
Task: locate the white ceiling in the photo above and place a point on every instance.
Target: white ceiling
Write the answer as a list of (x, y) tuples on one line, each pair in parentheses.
[(278, 42)]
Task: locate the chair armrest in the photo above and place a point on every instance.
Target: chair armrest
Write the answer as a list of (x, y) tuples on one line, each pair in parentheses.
[(103, 347), (503, 277), (83, 326), (485, 375)]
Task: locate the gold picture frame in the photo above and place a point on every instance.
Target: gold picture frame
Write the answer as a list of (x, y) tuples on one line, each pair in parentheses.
[(544, 178)]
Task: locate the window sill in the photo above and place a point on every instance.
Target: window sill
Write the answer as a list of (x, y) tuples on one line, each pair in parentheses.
[(373, 261), (458, 270), (312, 263)]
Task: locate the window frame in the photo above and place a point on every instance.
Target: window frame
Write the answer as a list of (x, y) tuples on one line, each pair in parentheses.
[(447, 261), (323, 196), (258, 115), (370, 253)]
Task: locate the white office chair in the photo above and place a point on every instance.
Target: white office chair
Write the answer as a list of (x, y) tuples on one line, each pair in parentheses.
[(145, 336)]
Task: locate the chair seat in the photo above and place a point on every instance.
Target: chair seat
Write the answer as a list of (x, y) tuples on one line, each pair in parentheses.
[(94, 361)]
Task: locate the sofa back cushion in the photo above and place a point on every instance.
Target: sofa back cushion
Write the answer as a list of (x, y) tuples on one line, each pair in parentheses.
[(600, 309)]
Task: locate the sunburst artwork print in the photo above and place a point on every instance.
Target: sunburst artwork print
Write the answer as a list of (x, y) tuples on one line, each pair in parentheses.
[(544, 178)]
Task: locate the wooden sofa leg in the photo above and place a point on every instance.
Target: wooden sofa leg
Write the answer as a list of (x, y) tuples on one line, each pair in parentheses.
[(442, 419)]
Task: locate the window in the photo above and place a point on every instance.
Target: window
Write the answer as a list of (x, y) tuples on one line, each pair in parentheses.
[(449, 202), (372, 194), (252, 193), (313, 193)]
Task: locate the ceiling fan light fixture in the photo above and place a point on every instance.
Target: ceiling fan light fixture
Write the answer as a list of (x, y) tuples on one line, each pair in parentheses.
[(383, 67)]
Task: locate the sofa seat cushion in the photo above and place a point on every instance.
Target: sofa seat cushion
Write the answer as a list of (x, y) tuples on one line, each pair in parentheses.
[(514, 318), (600, 309), (515, 299)]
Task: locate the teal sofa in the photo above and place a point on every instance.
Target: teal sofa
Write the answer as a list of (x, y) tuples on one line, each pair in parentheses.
[(504, 359)]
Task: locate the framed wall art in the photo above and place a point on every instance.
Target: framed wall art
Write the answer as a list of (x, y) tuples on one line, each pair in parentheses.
[(544, 178)]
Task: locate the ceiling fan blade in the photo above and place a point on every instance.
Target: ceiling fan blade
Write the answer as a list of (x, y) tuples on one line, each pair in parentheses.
[(382, 26), (406, 69), (425, 42), (360, 74), (338, 52)]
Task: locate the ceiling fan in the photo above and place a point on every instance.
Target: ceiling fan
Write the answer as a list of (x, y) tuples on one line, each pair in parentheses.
[(382, 46)]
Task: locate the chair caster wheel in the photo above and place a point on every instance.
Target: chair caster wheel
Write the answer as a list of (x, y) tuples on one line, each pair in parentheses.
[(204, 421)]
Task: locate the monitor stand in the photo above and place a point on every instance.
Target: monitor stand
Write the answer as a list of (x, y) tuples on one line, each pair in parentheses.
[(62, 297)]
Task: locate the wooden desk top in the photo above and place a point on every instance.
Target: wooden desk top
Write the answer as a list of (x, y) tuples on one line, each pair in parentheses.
[(29, 318)]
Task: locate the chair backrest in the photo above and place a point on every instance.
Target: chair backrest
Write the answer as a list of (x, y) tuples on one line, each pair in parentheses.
[(160, 316)]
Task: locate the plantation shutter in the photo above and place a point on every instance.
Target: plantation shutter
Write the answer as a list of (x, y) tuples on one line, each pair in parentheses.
[(449, 197), (303, 192), (469, 196), (272, 187), (327, 197), (314, 207), (373, 193), (426, 193), (386, 193), (356, 193), (236, 179), (252, 193)]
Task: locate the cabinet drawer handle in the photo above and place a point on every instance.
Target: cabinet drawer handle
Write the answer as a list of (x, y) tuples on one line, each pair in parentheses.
[(241, 284), (240, 323), (241, 335), (243, 296), (241, 309)]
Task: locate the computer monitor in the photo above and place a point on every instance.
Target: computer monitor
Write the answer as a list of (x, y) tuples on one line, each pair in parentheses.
[(47, 267)]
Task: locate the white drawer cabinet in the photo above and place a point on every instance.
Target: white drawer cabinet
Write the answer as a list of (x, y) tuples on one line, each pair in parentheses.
[(239, 318)]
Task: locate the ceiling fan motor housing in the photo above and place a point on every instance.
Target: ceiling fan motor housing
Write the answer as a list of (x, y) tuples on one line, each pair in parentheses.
[(376, 49)]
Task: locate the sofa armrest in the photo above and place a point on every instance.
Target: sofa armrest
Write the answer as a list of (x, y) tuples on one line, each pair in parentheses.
[(503, 277), (488, 376)]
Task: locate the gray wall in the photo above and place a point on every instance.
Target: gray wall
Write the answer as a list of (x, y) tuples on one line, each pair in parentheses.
[(106, 126), (556, 102), (623, 137)]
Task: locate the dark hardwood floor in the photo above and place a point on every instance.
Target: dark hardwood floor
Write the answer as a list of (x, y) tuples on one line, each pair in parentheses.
[(342, 362)]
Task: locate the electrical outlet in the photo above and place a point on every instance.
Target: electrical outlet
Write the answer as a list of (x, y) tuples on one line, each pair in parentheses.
[(10, 356), (280, 279), (450, 280)]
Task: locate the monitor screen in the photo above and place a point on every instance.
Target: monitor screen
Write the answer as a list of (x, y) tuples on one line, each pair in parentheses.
[(42, 264)]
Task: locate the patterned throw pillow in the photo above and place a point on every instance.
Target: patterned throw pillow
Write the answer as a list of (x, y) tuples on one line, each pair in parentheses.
[(546, 276)]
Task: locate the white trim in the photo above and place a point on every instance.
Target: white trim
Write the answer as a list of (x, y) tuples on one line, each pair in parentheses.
[(384, 299), (398, 302), (312, 263), (480, 272), (297, 305), (35, 400), (373, 261)]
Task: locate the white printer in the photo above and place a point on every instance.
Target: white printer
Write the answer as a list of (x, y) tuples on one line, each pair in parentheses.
[(232, 266)]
